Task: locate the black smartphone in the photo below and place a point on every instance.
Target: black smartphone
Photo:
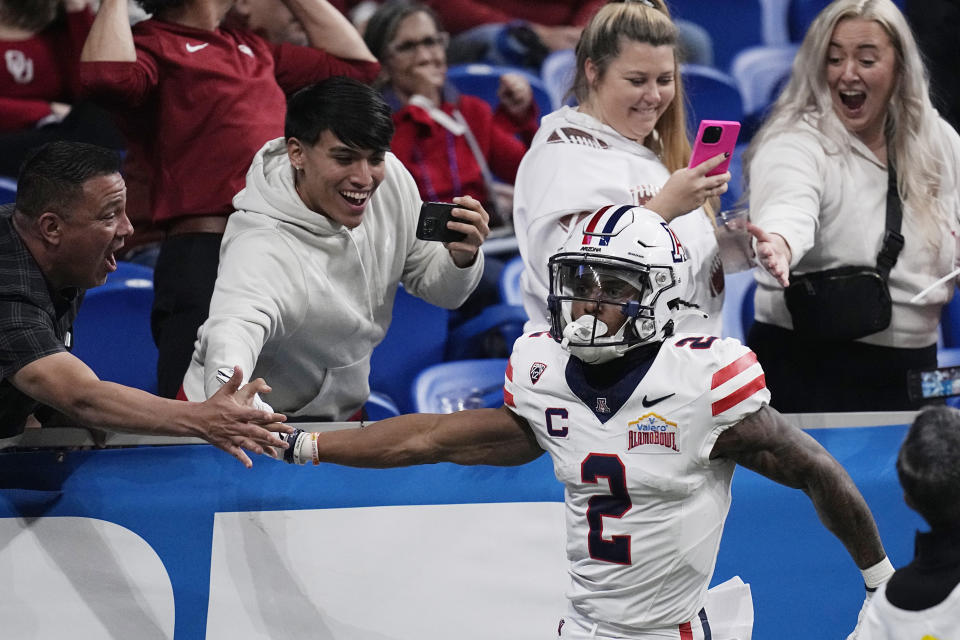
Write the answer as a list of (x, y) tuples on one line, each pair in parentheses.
[(433, 223), (942, 382)]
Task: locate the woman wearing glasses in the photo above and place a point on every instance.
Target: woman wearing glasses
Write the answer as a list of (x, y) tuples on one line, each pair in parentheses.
[(453, 144)]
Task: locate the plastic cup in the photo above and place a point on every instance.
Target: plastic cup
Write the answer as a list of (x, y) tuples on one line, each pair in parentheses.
[(736, 249)]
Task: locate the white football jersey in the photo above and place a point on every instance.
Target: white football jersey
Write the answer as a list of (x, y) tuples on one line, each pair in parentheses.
[(645, 505), (883, 621)]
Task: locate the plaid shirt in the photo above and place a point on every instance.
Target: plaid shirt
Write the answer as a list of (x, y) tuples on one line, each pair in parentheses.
[(34, 322)]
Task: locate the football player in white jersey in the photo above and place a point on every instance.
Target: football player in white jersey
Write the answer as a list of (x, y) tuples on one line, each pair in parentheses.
[(644, 426)]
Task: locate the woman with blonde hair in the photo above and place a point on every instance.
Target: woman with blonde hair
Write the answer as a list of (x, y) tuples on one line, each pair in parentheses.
[(852, 140), (625, 143)]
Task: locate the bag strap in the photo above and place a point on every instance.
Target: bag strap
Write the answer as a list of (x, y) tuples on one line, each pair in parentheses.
[(892, 238)]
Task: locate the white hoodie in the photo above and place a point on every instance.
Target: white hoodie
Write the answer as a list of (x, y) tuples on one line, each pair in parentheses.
[(301, 300)]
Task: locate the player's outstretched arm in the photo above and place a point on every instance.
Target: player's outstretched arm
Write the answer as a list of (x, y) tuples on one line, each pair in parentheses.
[(226, 420), (766, 443), (476, 436)]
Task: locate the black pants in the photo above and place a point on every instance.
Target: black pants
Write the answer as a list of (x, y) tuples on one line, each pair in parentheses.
[(182, 287), (811, 376)]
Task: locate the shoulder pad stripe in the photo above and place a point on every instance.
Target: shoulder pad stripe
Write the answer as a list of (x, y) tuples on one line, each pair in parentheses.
[(509, 372), (740, 394), (740, 364), (508, 399)]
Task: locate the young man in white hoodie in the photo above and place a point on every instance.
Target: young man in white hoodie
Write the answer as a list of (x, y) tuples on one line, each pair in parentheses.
[(310, 262)]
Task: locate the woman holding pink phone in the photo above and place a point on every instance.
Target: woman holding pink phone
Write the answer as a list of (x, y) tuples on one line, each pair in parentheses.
[(625, 143)]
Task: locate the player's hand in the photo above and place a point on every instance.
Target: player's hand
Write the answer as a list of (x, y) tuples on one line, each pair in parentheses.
[(773, 253), (515, 95), (229, 422), (687, 189), (473, 220)]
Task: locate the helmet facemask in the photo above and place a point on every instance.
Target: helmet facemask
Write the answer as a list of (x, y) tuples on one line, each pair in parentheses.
[(621, 272)]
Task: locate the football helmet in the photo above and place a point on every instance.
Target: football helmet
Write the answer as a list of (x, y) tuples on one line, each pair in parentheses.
[(621, 264)]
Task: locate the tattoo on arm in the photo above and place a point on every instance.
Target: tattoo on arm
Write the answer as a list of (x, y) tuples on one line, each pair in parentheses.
[(766, 443)]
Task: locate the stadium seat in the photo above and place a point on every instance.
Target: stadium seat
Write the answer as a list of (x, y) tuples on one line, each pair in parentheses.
[(733, 25), (379, 406), (462, 384), (8, 190), (112, 331), (738, 304), (557, 71), (760, 73), (482, 80), (950, 323), (712, 95), (510, 282), (415, 340)]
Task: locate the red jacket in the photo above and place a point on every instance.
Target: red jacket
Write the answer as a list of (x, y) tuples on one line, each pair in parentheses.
[(443, 164), (41, 70), (197, 105)]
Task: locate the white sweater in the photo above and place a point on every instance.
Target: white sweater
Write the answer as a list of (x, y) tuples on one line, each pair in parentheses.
[(302, 301), (831, 209)]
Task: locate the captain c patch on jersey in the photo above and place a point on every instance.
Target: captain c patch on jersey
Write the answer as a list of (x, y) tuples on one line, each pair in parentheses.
[(652, 433)]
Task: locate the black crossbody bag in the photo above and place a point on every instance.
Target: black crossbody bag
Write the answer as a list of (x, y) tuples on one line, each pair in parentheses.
[(849, 302)]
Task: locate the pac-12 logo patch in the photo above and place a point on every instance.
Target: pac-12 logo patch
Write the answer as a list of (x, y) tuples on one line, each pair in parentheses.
[(652, 433), (536, 370)]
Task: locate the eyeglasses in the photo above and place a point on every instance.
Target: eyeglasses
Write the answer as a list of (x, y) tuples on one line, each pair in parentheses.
[(430, 42)]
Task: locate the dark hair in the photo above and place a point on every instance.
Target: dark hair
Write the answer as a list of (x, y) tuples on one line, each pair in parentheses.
[(32, 15), (382, 25), (351, 110), (929, 466), (52, 176), (158, 6)]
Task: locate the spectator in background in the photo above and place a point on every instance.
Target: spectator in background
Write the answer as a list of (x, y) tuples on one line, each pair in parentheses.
[(625, 143), (323, 234), (922, 599), (855, 115), (196, 101), (59, 239), (40, 42), (524, 33), (453, 144)]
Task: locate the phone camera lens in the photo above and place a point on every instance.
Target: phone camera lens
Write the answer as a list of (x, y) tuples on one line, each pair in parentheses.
[(711, 135)]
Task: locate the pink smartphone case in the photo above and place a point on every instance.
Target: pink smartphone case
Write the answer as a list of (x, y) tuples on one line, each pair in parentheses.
[(704, 151)]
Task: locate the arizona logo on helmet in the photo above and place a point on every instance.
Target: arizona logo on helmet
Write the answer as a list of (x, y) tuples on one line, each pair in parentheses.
[(606, 222)]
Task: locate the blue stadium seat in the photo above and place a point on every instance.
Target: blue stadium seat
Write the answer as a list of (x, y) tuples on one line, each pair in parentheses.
[(510, 282), (8, 190), (760, 73), (557, 71), (738, 304), (950, 323), (733, 25), (416, 339), (112, 331), (379, 406), (461, 384), (482, 80), (712, 95)]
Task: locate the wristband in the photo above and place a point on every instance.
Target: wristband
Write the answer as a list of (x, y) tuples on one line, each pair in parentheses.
[(876, 575)]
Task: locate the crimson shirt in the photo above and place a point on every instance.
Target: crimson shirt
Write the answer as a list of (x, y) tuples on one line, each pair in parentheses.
[(40, 70), (197, 105)]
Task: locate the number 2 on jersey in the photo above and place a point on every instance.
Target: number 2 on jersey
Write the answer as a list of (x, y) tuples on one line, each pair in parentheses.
[(609, 466)]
